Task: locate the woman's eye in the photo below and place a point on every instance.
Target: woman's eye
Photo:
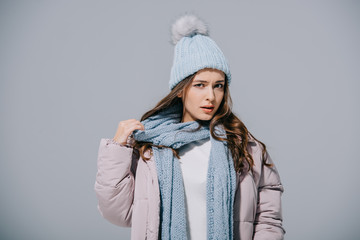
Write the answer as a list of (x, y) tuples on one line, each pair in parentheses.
[(198, 85), (220, 85)]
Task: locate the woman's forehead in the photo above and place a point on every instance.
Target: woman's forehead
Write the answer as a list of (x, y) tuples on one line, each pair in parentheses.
[(209, 75)]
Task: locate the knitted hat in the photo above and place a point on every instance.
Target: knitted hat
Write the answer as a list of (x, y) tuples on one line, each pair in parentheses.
[(194, 50)]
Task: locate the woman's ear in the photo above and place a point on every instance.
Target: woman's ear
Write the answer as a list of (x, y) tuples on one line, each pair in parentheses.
[(179, 94)]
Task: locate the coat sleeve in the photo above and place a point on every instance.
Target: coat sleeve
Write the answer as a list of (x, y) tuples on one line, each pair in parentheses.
[(268, 219), (115, 181)]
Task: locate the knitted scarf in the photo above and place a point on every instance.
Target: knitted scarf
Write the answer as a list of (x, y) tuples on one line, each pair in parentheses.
[(166, 129)]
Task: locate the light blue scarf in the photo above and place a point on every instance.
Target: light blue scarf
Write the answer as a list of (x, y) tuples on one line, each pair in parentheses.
[(166, 129)]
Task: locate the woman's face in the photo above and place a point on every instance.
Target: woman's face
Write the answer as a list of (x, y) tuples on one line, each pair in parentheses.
[(204, 95)]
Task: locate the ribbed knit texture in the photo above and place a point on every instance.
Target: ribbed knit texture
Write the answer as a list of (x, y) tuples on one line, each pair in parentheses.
[(193, 53), (166, 129)]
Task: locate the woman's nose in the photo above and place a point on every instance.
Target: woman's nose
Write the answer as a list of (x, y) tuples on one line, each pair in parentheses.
[(210, 94)]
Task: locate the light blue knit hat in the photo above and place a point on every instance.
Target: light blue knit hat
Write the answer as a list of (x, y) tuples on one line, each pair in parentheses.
[(194, 50)]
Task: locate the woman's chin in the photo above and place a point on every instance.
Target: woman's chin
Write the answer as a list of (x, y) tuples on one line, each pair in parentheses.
[(205, 117)]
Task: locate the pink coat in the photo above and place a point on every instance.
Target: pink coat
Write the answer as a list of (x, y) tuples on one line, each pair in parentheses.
[(128, 194)]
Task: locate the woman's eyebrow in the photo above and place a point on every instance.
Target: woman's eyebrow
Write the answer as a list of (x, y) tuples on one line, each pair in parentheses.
[(198, 80)]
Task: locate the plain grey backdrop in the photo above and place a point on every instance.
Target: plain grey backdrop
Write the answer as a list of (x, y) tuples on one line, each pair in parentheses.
[(71, 70)]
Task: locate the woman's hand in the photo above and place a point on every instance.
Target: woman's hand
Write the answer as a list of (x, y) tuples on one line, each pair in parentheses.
[(125, 128)]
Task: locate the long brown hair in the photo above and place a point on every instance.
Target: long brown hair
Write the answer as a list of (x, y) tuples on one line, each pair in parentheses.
[(236, 131)]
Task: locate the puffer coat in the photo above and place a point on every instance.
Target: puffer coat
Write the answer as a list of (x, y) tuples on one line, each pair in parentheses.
[(128, 194)]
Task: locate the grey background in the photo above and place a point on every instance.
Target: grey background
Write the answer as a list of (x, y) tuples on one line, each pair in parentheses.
[(71, 70)]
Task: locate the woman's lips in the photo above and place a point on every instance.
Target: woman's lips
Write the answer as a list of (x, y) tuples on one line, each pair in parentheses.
[(208, 110)]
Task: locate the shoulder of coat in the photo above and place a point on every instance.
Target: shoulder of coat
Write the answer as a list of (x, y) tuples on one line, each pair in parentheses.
[(252, 141), (254, 146)]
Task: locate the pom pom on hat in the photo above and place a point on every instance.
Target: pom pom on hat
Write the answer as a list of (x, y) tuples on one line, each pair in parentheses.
[(187, 26)]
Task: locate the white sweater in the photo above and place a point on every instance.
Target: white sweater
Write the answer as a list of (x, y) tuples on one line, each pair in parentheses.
[(194, 159)]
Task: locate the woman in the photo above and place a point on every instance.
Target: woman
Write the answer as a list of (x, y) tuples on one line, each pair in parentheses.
[(190, 169)]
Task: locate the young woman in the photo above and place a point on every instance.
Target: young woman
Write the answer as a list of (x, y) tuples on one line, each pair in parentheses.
[(190, 169)]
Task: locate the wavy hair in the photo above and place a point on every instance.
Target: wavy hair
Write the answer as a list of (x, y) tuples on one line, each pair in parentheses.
[(236, 132)]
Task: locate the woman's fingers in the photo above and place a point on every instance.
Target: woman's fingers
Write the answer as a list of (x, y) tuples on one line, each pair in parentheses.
[(125, 128)]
